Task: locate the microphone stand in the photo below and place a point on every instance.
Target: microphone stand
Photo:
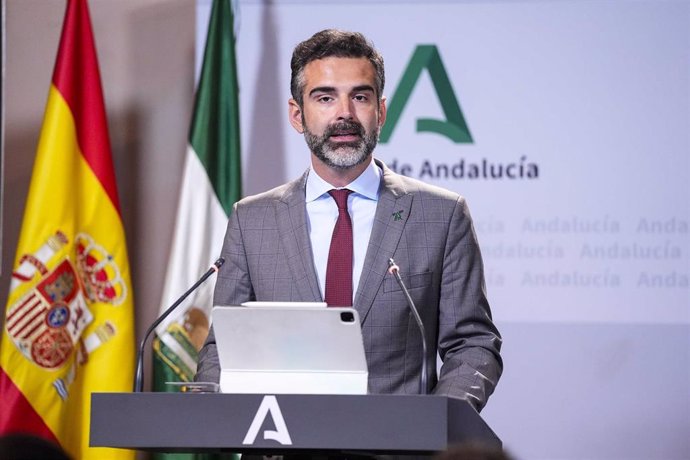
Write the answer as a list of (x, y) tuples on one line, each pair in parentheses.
[(139, 377), (394, 270)]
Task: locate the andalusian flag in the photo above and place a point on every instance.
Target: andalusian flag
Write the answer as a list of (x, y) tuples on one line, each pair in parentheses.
[(210, 186), (68, 328)]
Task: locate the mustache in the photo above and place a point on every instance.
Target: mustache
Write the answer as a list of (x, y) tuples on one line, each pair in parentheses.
[(351, 127)]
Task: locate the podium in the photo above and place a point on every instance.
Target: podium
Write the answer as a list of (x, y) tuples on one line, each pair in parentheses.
[(284, 423)]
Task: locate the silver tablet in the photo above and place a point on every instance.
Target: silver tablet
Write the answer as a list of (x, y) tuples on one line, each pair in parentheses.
[(290, 348)]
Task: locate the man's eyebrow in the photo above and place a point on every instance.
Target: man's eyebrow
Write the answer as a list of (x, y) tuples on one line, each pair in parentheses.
[(322, 89), (361, 88)]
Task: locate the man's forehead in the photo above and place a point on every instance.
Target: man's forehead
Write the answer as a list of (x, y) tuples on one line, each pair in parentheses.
[(356, 71)]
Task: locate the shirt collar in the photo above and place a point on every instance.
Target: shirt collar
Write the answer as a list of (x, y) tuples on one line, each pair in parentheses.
[(366, 184)]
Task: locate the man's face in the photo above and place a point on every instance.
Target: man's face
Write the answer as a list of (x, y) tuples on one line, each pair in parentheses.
[(341, 117)]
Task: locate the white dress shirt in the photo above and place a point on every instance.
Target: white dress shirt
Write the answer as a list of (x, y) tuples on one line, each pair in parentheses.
[(322, 213)]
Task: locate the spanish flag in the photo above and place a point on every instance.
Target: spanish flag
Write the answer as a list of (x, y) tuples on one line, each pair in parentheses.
[(69, 328)]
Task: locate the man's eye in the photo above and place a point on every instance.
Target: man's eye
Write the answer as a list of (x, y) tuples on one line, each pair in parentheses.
[(361, 98), (324, 99)]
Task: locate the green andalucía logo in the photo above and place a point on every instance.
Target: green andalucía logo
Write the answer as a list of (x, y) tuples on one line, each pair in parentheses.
[(454, 126)]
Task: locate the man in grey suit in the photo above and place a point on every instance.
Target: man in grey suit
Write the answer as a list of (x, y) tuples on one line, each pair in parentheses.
[(277, 243)]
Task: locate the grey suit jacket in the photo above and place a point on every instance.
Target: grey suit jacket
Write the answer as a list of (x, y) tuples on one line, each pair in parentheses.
[(429, 233)]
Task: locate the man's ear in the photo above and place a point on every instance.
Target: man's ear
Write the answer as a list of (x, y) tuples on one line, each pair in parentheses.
[(295, 115), (383, 110)]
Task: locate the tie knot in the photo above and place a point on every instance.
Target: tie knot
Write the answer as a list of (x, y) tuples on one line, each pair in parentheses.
[(340, 197)]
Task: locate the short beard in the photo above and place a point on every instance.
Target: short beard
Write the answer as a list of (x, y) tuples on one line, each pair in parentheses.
[(342, 155)]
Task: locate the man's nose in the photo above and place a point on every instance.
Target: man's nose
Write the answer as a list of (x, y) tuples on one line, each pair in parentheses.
[(345, 109)]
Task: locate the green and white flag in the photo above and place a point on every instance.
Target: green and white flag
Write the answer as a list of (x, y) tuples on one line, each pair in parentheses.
[(210, 186)]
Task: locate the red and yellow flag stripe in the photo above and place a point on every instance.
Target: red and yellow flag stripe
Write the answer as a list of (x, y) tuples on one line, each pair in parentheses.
[(69, 327)]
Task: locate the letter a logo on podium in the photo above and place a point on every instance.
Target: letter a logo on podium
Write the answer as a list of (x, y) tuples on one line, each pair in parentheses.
[(269, 405)]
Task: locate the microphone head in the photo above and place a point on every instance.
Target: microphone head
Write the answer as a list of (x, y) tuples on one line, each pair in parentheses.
[(392, 267), (219, 262)]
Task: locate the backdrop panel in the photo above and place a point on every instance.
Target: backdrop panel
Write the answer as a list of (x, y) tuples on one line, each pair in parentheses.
[(566, 126)]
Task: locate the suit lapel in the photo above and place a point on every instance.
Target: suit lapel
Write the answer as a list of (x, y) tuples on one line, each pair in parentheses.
[(291, 216), (392, 212)]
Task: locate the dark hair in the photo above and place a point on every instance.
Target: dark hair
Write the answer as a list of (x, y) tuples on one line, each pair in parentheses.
[(333, 43), (472, 451), (20, 446)]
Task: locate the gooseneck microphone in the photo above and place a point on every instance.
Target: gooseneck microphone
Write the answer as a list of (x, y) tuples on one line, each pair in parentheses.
[(394, 270), (139, 377)]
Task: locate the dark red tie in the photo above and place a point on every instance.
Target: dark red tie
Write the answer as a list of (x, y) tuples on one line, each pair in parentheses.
[(339, 269)]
